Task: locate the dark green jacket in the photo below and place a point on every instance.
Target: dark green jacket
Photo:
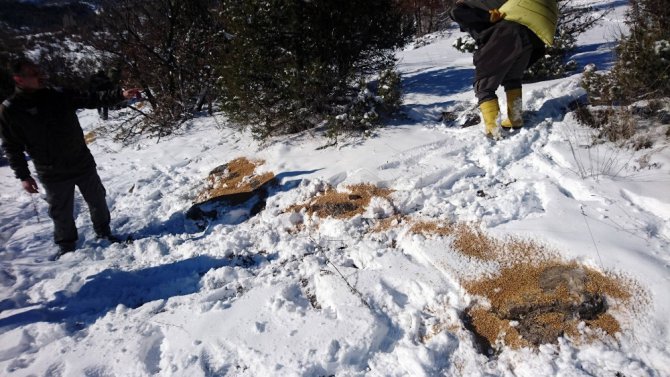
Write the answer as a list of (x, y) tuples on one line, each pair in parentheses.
[(44, 124)]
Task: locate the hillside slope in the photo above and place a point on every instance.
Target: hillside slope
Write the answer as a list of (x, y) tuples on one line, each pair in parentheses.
[(331, 277)]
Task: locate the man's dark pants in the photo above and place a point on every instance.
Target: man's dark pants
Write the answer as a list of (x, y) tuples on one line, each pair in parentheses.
[(60, 196), (502, 59)]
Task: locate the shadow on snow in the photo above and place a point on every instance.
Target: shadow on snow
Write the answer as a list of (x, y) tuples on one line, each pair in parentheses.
[(602, 55), (179, 223), (110, 288), (611, 5), (439, 82)]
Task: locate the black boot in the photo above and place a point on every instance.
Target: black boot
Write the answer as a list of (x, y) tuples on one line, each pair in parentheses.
[(109, 237), (63, 248)]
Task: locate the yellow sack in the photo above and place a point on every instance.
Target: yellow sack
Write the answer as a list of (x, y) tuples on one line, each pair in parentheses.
[(540, 16)]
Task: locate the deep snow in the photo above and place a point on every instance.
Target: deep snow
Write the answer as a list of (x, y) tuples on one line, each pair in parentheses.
[(238, 298)]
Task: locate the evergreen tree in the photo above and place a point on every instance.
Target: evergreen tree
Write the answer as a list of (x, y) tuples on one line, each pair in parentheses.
[(39, 28), (642, 69), (292, 64)]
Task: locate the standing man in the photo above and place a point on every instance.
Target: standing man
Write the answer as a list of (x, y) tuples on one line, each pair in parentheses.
[(510, 36), (100, 82), (43, 122)]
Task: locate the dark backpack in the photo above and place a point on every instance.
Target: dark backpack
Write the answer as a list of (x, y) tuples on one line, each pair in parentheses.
[(100, 82)]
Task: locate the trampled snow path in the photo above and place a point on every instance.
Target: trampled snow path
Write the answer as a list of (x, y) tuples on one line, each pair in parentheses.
[(255, 297)]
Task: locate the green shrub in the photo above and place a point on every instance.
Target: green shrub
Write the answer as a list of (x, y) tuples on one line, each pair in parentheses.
[(573, 20), (465, 44), (640, 75), (292, 65), (390, 90), (642, 69)]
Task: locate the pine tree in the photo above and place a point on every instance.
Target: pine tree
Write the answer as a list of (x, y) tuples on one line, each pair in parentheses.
[(293, 64), (642, 69), (643, 66)]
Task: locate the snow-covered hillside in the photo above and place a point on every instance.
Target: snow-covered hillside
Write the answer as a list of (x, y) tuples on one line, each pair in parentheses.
[(286, 293)]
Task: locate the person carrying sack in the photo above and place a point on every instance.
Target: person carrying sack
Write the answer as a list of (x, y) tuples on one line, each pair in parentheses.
[(510, 36)]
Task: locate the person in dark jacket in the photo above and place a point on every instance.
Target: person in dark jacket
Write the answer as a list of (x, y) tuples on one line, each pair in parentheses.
[(42, 121), (100, 82), (510, 36)]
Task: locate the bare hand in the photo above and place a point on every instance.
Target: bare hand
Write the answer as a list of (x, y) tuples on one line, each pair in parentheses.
[(132, 93), (30, 185)]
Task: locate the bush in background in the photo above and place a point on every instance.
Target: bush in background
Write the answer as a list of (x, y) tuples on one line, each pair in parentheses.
[(642, 69), (47, 34), (292, 65), (167, 48), (426, 16), (636, 90), (465, 44), (372, 101)]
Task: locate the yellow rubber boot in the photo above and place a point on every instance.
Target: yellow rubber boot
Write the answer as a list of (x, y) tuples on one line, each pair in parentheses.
[(514, 109), (490, 113)]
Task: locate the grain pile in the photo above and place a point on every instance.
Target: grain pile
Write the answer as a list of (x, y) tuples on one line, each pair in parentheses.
[(469, 240), (342, 205), (535, 297), (236, 177), (534, 304)]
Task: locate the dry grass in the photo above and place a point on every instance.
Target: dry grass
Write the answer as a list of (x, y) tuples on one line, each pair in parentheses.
[(237, 176), (534, 298), (342, 205), (605, 322)]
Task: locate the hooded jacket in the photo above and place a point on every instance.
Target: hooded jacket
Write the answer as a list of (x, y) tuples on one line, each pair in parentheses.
[(44, 124)]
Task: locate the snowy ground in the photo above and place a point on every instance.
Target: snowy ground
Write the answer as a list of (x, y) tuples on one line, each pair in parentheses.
[(255, 297)]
